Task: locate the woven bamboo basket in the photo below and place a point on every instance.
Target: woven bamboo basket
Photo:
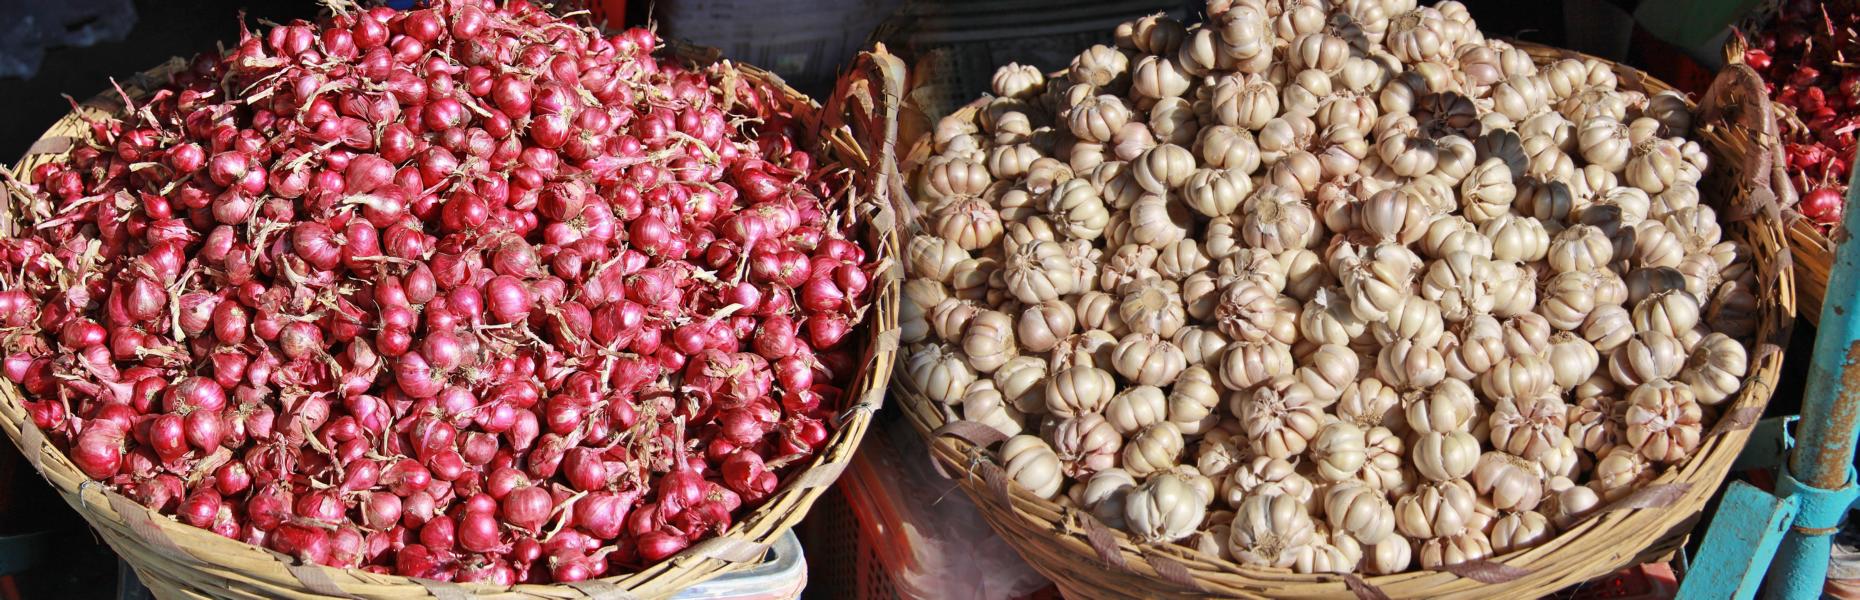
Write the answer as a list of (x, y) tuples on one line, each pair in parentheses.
[(854, 132), (1813, 250), (1086, 559)]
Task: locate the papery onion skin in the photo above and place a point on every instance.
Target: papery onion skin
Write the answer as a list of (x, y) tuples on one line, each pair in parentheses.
[(415, 292)]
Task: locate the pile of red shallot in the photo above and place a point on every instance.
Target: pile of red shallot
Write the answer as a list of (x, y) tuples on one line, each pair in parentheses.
[(466, 293), (1807, 57)]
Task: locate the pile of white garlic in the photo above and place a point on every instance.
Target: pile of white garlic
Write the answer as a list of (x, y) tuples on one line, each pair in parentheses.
[(1330, 287)]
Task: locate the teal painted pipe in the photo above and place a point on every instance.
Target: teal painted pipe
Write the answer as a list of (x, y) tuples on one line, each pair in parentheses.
[(1825, 437)]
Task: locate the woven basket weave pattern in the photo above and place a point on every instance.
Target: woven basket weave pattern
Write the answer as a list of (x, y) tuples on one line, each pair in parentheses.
[(1088, 560), (174, 560)]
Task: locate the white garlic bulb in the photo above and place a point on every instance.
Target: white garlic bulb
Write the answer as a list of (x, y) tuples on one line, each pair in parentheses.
[(1270, 531), (1103, 493), (1360, 512), (1032, 464), (1164, 508)]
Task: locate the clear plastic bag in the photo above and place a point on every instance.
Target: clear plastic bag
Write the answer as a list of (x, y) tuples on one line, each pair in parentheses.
[(940, 547)]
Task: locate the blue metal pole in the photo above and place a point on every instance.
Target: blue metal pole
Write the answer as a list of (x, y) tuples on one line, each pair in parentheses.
[(1820, 469)]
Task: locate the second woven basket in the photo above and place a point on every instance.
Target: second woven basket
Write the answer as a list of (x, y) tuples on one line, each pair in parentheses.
[(1089, 560)]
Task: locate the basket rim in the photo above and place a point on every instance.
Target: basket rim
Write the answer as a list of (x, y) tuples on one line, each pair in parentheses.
[(130, 527), (1174, 567)]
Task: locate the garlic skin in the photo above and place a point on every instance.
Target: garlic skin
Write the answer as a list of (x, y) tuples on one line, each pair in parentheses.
[(1177, 261), (1368, 402), (930, 258), (988, 341), (1664, 421), (1331, 287), (1281, 424), (1219, 451), (1445, 456), (1654, 165), (1247, 364), (1039, 271), (1520, 530), (1435, 509), (1571, 504), (1416, 319), (1151, 307), (1445, 408), (1265, 476), (1647, 356), (1568, 298), (1270, 531), (1244, 101), (1410, 366), (1338, 451), (1521, 375), (1461, 285), (1608, 328), (1329, 554), (1450, 233), (1327, 371), (1088, 349), (1508, 482), (1472, 347), (1135, 408), (1516, 293), (1031, 463), (940, 372), (1384, 467), (1153, 449), (1452, 550), (1597, 424), (947, 182), (1077, 390), (1517, 238), (1164, 508), (1572, 360), (1103, 493), (1275, 219), (919, 297), (967, 220), (1528, 427), (1672, 312), (1604, 142), (1098, 311), (1216, 192), (1378, 280), (1148, 359), (1078, 209), (1328, 319), (1716, 368), (1042, 325), (1394, 554), (1015, 80), (999, 417), (1488, 191), (1619, 472), (1085, 444), (1097, 118), (1249, 311), (1360, 512)]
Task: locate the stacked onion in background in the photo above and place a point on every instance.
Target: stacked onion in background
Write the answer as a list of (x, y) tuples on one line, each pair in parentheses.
[(461, 293), (1332, 288), (1804, 56)]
